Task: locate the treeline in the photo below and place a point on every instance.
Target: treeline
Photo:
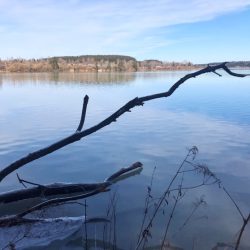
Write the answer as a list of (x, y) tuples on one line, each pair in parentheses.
[(96, 63), (233, 64), (90, 63), (156, 65), (240, 64)]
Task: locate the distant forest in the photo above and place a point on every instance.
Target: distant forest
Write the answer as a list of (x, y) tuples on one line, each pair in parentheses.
[(89, 63), (98, 63), (236, 64)]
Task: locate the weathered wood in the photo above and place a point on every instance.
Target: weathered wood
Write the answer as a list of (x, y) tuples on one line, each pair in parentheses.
[(62, 189), (123, 171), (47, 191), (100, 187), (112, 118)]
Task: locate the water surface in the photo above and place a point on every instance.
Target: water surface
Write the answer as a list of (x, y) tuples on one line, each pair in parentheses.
[(210, 112)]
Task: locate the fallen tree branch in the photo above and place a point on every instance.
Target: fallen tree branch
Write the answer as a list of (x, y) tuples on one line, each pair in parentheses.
[(57, 189), (19, 219), (22, 181), (48, 190), (138, 101), (100, 187), (59, 201), (119, 174)]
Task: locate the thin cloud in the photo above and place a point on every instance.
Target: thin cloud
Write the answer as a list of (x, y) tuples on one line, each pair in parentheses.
[(77, 27)]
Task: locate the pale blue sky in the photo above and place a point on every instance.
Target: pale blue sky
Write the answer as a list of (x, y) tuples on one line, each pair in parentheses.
[(194, 30)]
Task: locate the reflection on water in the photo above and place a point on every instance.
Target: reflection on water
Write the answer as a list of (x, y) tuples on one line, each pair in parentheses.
[(210, 112), (56, 78)]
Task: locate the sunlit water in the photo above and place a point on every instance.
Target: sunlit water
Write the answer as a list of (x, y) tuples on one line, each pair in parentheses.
[(210, 112)]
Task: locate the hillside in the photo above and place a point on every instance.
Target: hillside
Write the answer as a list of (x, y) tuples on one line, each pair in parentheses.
[(89, 63)]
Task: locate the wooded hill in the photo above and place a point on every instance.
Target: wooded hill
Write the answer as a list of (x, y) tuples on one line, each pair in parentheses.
[(89, 63)]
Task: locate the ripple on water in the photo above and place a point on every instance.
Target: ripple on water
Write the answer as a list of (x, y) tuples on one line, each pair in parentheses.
[(157, 134)]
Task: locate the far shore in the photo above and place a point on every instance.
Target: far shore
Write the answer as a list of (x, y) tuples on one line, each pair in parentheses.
[(101, 64), (115, 72), (99, 72)]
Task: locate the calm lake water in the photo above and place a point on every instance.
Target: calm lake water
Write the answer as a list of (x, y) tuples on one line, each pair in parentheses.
[(210, 112)]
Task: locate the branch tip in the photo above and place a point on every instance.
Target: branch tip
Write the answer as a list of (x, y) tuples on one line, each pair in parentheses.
[(84, 109), (86, 98), (216, 73), (20, 180)]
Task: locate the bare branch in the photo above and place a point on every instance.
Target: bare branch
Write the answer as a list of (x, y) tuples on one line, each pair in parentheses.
[(18, 218), (47, 191), (84, 109), (62, 200), (233, 73), (216, 73), (54, 189), (122, 171), (22, 181), (126, 108)]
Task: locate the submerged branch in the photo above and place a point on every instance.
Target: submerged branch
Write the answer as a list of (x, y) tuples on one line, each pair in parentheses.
[(57, 189), (92, 190), (46, 191)]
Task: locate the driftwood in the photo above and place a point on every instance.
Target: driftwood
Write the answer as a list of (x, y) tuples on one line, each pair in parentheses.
[(46, 191), (18, 219), (90, 190), (56, 189), (78, 135)]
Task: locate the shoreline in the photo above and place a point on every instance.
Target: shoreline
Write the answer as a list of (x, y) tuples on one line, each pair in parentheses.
[(103, 64), (113, 72), (93, 72)]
